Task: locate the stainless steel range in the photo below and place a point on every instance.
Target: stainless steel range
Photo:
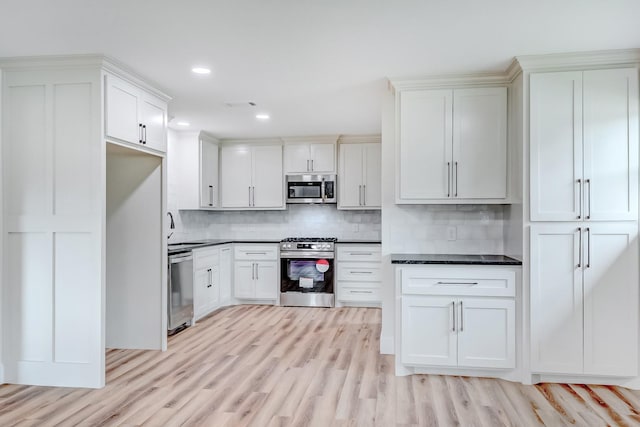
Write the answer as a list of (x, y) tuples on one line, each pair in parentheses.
[(307, 271)]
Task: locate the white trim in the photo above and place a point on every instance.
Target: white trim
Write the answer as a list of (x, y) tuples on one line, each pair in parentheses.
[(256, 141), (328, 139), (387, 345), (359, 139), (580, 60), (457, 81), (108, 64)]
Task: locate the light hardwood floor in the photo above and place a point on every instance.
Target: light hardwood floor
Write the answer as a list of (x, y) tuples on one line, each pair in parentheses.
[(277, 366)]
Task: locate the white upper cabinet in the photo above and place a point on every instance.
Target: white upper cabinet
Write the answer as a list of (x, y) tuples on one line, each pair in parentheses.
[(452, 145), (359, 177), (308, 156), (251, 177), (480, 143), (208, 173), (133, 115), (584, 145)]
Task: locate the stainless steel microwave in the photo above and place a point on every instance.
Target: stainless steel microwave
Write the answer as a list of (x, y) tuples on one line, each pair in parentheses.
[(311, 189)]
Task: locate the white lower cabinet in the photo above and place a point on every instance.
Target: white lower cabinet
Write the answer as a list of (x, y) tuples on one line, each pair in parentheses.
[(206, 281), (256, 272), (461, 328), (584, 299), (226, 271), (358, 274)]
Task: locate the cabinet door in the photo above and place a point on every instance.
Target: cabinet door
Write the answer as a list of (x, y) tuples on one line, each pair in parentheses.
[(428, 331), (122, 106), (268, 184), (297, 158), (200, 282), (372, 175), (611, 300), (487, 333), (244, 279), (610, 100), (480, 143), (266, 280), (235, 167), (425, 145), (351, 173), (556, 299), (225, 275), (153, 116), (556, 146), (323, 158), (208, 174)]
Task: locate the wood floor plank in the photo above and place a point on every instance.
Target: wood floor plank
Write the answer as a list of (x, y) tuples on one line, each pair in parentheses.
[(258, 365)]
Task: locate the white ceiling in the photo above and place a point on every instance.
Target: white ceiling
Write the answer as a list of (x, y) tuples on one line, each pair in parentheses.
[(317, 67)]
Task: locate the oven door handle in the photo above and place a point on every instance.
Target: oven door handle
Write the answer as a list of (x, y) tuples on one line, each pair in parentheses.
[(307, 255)]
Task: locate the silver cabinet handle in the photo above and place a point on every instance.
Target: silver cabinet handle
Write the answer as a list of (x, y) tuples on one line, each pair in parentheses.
[(456, 181), (257, 272), (210, 277), (253, 272), (579, 181), (588, 248), (361, 292), (311, 165), (588, 182), (580, 247), (361, 272), (364, 195), (140, 133), (457, 283), (211, 195), (448, 179), (253, 198), (360, 195), (255, 253), (361, 253), (144, 133), (461, 317), (249, 195), (453, 314)]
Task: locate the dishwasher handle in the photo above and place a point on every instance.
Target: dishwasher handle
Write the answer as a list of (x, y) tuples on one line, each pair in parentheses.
[(174, 259)]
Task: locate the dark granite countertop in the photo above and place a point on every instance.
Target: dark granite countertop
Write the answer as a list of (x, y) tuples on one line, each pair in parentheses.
[(177, 248), (458, 259), (358, 242)]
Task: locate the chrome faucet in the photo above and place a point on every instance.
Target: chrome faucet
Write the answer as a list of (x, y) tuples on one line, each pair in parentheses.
[(172, 225)]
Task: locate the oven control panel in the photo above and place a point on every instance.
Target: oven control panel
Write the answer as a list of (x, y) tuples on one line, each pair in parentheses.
[(307, 246)]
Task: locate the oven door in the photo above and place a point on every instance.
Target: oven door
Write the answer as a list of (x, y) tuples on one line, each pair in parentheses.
[(306, 274)]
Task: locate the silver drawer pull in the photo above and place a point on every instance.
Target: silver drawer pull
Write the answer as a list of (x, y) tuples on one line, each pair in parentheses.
[(361, 292), (255, 253), (361, 253), (458, 283), (361, 272)]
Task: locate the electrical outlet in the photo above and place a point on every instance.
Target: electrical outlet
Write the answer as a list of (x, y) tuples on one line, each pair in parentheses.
[(451, 233)]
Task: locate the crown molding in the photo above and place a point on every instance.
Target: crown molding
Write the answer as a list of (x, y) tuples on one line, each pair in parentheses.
[(329, 139), (359, 139), (450, 81), (580, 60), (98, 61), (252, 141)]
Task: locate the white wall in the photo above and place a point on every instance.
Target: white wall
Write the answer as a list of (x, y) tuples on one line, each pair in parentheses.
[(134, 285)]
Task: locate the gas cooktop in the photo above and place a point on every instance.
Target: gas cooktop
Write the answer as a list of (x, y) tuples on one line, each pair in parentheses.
[(310, 239)]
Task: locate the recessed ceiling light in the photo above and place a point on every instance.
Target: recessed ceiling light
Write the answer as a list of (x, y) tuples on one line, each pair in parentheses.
[(183, 124), (201, 70), (262, 116)]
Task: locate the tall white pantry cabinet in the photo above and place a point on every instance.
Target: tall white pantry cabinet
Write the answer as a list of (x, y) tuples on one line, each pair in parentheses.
[(83, 218), (584, 267)]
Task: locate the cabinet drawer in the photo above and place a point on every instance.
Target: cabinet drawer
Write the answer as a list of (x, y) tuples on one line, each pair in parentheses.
[(370, 253), (256, 252), (359, 271), (205, 258), (358, 294), (458, 281)]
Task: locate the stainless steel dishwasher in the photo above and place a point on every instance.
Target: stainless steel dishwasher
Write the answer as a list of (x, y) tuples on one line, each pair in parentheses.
[(180, 300)]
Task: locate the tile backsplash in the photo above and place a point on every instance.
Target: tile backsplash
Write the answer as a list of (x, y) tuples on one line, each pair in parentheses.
[(297, 220), (478, 229)]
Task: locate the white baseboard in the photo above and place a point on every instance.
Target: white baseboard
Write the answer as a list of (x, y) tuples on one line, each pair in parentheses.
[(387, 345), (1, 373)]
